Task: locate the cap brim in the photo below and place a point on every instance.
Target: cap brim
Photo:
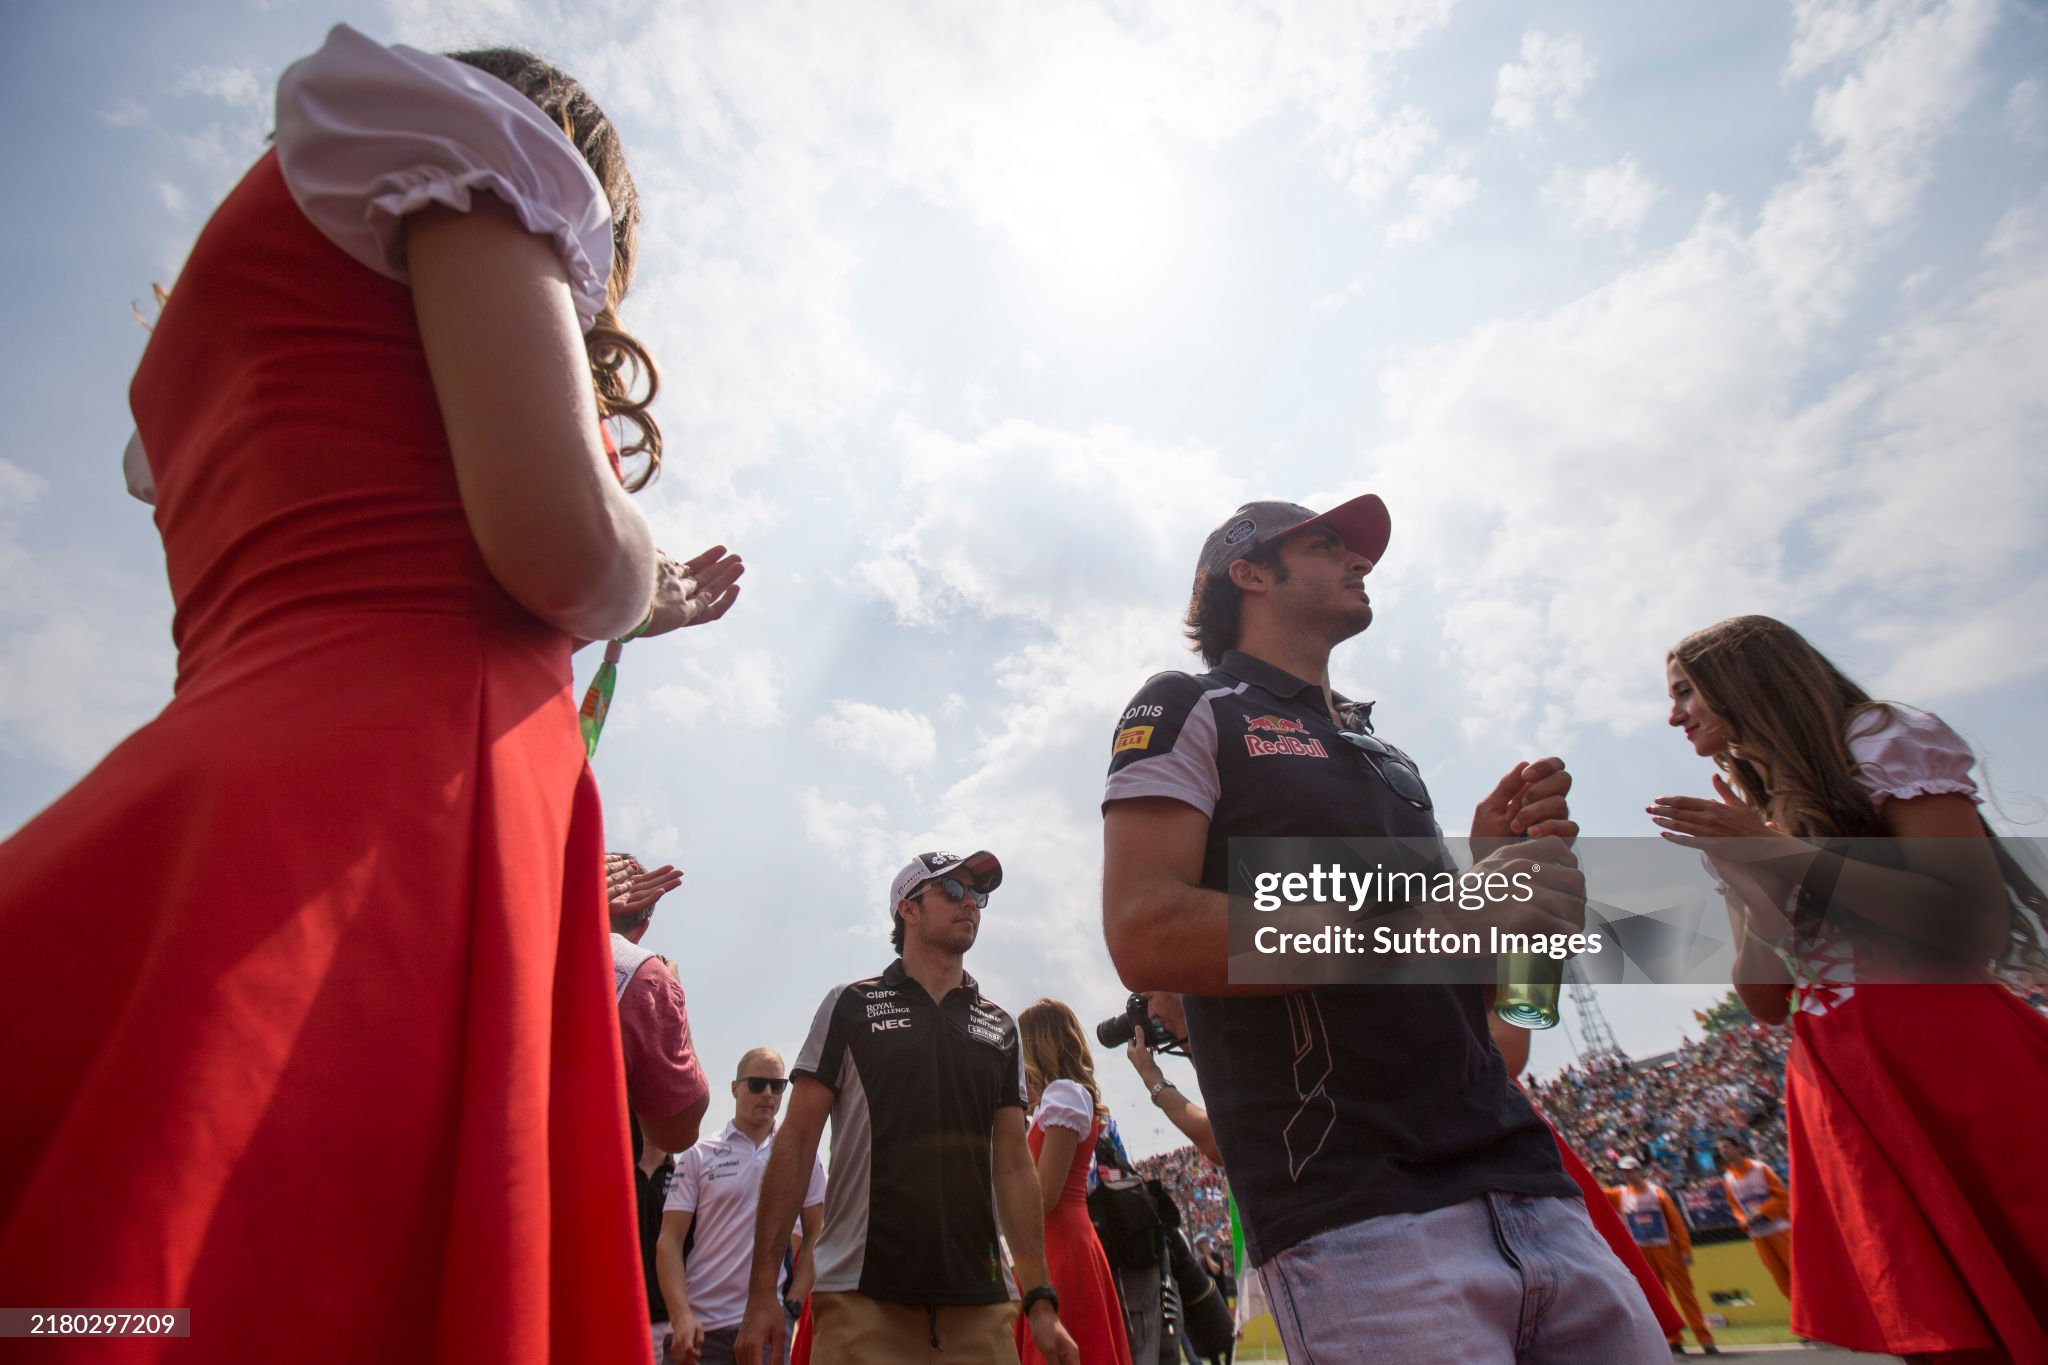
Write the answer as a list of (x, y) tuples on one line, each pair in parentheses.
[(1362, 524), (983, 867)]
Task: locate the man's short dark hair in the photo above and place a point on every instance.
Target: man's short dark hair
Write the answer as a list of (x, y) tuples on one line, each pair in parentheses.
[(896, 931), (1216, 608)]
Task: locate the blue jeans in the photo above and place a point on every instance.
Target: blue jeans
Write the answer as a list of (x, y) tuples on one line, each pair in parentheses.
[(1505, 1279)]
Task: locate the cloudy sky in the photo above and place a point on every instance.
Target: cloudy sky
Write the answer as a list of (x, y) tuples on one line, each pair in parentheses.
[(975, 317)]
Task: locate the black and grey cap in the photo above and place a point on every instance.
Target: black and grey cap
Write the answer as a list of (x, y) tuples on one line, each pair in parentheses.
[(1362, 522)]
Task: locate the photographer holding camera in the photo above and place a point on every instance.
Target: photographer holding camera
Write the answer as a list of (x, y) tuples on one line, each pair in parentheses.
[(1154, 1022)]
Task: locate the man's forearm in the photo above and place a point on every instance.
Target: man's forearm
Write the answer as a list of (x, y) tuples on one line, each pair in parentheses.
[(1192, 1120), (669, 1275), (1017, 1202), (781, 1196)]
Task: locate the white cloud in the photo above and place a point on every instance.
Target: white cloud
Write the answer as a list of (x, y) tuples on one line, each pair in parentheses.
[(1911, 69), (1549, 79), (900, 741), (738, 687), (236, 85), (1096, 515), (126, 113), (1433, 200), (1052, 125), (1948, 492), (2026, 112), (1369, 163), (172, 198), (1612, 199), (1566, 479)]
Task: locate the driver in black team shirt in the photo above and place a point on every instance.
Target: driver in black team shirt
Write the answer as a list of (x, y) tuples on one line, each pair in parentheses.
[(1400, 1197), (924, 1083)]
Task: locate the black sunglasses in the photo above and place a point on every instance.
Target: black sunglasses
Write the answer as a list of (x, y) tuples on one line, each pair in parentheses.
[(1393, 769), (758, 1084), (958, 890)]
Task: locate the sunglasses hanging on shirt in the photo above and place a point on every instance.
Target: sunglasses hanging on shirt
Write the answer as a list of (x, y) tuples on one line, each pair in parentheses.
[(1391, 767)]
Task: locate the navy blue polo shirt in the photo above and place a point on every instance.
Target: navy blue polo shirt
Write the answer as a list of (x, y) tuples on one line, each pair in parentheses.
[(1339, 1103)]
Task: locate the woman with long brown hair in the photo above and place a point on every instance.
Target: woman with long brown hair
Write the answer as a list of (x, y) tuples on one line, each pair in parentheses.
[(1868, 897), (310, 1024), (1067, 1115)]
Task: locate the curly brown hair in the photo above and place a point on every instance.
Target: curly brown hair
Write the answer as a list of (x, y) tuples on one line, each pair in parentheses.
[(618, 360)]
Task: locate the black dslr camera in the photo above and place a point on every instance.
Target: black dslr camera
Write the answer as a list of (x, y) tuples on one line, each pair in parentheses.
[(1119, 1029)]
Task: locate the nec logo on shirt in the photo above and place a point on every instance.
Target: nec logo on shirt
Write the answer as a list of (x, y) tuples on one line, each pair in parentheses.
[(878, 1025)]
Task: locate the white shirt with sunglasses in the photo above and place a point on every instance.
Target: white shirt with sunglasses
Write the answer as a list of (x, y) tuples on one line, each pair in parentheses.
[(719, 1182)]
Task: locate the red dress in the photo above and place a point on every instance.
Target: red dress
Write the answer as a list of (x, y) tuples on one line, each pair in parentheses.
[(1919, 1202), (309, 1009), (1089, 1307)]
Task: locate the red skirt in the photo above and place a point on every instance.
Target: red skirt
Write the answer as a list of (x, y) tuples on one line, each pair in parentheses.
[(1919, 1200)]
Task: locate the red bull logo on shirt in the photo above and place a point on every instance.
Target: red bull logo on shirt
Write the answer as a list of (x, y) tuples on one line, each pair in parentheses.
[(1285, 735), (1286, 744)]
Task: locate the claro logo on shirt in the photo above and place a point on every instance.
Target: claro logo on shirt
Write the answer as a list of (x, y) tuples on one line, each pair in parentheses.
[(1133, 737)]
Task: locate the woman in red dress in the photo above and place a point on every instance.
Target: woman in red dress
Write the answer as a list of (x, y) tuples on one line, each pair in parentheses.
[(1916, 1083), (310, 1023), (1067, 1117)]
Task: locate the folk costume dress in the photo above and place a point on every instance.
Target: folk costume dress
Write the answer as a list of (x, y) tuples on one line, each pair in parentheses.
[(309, 1014), (1919, 1203), (1074, 1260)]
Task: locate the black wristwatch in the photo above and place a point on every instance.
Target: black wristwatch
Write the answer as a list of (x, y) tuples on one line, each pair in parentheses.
[(1043, 1294)]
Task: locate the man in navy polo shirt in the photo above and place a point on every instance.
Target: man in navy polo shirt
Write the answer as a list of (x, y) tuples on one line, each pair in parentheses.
[(923, 1079), (1400, 1197)]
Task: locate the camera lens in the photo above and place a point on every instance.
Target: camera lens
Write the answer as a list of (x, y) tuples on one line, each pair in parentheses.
[(1116, 1031)]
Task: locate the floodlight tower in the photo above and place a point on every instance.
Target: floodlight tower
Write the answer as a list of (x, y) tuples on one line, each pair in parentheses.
[(1598, 1038)]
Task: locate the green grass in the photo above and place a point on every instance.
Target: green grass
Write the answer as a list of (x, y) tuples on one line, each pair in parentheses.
[(1757, 1334), (1761, 1334)]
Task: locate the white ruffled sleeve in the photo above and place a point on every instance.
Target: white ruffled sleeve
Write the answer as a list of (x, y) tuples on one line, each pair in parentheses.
[(1898, 752), (1066, 1105), (135, 471), (367, 134)]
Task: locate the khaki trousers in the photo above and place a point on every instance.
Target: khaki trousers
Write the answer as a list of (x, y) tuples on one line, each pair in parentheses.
[(851, 1329)]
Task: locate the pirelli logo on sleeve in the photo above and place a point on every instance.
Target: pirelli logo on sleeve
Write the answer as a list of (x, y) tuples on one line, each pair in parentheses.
[(1132, 737)]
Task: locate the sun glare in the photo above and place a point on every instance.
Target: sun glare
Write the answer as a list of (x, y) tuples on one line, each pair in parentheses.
[(1094, 210)]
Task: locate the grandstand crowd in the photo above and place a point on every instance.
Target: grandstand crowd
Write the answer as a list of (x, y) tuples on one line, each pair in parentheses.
[(1667, 1112)]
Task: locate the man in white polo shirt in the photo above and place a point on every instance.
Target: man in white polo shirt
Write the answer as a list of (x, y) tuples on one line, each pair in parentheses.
[(716, 1187)]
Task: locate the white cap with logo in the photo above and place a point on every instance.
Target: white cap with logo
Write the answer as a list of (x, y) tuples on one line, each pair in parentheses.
[(979, 870)]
